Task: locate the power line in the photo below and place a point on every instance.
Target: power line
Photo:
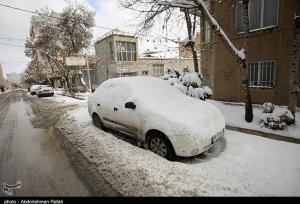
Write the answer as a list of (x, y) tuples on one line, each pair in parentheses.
[(11, 39), (12, 62), (97, 26), (11, 45), (24, 10)]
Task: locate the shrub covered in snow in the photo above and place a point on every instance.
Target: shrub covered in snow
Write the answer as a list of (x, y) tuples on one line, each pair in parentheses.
[(192, 79), (268, 107), (190, 83), (275, 117), (171, 73)]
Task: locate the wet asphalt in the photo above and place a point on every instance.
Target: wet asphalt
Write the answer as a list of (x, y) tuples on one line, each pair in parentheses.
[(33, 156)]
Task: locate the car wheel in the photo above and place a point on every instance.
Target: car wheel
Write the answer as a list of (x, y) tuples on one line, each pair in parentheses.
[(39, 96), (97, 121), (159, 144)]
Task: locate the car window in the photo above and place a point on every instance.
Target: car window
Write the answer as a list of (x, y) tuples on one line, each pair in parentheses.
[(113, 93), (121, 93)]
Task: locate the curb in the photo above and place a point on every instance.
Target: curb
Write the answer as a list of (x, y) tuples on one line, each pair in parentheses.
[(71, 96), (264, 134)]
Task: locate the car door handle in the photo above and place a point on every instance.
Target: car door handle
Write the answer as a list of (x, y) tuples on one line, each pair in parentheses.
[(98, 104), (115, 109)]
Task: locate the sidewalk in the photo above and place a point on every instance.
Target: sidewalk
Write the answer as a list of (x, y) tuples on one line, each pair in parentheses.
[(234, 116), (264, 134), (79, 96)]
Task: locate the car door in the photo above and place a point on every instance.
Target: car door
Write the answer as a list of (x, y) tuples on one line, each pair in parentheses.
[(125, 119), (104, 105)]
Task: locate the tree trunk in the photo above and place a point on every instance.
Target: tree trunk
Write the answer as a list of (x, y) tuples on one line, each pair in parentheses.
[(246, 93), (244, 71), (191, 42), (69, 85), (293, 81)]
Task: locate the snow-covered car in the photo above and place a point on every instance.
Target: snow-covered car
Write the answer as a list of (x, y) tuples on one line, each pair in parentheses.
[(44, 90), (33, 89), (160, 117)]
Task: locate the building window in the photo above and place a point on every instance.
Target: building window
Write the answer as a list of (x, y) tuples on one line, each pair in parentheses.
[(261, 73), (126, 51), (207, 32), (130, 74), (144, 73), (263, 13), (158, 70), (111, 48)]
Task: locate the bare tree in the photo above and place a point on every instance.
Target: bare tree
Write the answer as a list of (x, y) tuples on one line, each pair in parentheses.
[(293, 81), (152, 10)]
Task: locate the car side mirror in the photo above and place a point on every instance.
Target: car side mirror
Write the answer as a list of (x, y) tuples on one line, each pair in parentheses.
[(130, 105)]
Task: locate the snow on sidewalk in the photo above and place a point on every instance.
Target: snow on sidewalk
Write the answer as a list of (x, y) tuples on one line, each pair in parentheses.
[(239, 165), (64, 99), (234, 114)]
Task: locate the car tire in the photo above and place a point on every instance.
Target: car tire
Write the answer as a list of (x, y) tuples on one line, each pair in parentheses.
[(39, 96), (97, 122), (159, 144)]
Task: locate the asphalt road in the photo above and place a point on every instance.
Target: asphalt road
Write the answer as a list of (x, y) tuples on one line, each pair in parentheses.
[(31, 153)]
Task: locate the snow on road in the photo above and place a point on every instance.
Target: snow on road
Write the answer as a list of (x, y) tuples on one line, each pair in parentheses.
[(234, 115), (239, 165)]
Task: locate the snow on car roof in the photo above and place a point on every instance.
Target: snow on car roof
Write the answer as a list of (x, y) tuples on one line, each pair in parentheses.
[(158, 93), (142, 85)]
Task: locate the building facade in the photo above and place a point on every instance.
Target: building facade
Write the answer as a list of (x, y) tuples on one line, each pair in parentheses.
[(14, 77), (118, 56), (269, 51)]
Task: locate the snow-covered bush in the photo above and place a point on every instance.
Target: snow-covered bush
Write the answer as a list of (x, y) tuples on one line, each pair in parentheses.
[(191, 79), (207, 91), (190, 83), (275, 117), (200, 92), (268, 107), (171, 73)]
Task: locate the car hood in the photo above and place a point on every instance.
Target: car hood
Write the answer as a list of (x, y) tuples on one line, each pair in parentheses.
[(46, 88), (189, 115)]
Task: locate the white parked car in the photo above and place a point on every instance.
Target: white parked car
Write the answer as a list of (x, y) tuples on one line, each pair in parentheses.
[(166, 121), (44, 90), (33, 89)]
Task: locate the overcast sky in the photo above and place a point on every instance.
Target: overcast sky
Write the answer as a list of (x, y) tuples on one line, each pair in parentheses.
[(15, 24)]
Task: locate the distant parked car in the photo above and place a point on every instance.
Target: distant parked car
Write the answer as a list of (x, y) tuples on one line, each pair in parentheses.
[(33, 89), (44, 90), (166, 121)]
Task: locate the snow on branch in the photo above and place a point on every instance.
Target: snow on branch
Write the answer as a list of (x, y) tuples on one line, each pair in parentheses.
[(239, 53), (178, 4)]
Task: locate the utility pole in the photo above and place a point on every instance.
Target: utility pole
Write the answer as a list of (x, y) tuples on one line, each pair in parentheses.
[(89, 76)]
